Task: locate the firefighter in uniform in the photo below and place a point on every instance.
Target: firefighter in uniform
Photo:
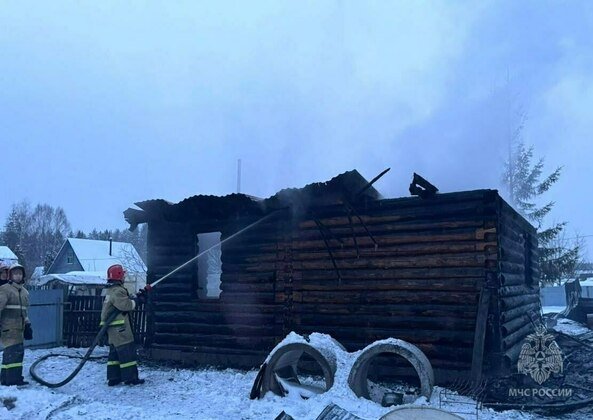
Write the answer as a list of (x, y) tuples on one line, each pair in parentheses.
[(15, 326), (121, 364), (3, 273), (3, 278)]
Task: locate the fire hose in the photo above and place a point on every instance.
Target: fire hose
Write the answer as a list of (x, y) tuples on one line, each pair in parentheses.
[(111, 317)]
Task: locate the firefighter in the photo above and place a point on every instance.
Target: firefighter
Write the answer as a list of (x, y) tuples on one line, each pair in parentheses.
[(15, 326), (3, 278), (121, 363), (3, 273)]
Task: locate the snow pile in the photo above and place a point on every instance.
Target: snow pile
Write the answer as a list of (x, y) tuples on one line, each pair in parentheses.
[(570, 327)]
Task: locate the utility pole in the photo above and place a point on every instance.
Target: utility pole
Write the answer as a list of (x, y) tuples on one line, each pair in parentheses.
[(239, 176)]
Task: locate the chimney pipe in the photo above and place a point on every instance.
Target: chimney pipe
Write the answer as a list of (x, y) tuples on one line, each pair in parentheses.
[(110, 245)]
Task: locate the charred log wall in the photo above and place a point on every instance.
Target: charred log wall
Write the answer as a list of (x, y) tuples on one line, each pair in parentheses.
[(237, 329), (421, 284), (518, 292)]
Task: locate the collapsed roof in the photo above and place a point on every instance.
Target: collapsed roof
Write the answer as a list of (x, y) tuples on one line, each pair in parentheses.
[(345, 189)]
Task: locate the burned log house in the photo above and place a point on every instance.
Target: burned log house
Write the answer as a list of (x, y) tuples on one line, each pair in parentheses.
[(454, 274)]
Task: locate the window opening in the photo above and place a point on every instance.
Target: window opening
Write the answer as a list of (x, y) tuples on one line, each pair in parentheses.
[(209, 265)]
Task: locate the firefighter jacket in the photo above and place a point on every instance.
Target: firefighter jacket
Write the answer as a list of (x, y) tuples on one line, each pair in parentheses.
[(119, 331), (14, 304)]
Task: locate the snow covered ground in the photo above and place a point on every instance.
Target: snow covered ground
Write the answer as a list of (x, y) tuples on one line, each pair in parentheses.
[(570, 327), (182, 394), (553, 309)]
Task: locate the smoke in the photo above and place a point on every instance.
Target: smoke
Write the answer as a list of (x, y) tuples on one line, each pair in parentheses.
[(112, 110)]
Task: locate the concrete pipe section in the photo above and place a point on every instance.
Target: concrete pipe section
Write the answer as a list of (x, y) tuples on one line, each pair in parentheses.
[(282, 374), (418, 412), (358, 379)]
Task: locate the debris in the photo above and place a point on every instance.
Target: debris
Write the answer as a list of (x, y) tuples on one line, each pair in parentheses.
[(335, 412), (9, 402)]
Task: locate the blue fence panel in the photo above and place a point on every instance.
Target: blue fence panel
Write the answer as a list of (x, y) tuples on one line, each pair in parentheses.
[(553, 296), (46, 315)]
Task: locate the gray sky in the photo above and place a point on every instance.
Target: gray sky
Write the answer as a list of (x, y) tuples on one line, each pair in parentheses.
[(106, 103)]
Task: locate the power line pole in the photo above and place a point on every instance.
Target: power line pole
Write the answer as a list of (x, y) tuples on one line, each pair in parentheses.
[(239, 176)]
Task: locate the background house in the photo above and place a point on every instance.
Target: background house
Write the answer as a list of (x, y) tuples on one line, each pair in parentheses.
[(82, 265), (7, 256)]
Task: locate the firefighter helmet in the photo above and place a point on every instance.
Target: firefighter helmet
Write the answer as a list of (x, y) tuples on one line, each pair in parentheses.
[(116, 273), (16, 267)]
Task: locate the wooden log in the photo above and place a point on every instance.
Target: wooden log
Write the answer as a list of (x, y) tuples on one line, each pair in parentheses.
[(467, 285), (382, 321), (508, 303), (255, 297), (507, 279), (233, 351), (411, 211), (207, 306), (159, 271), (516, 336), (217, 329), (170, 297), (519, 290), (512, 268), (240, 277), (519, 311), (341, 224), (256, 342), (251, 268), (398, 310), (406, 273), (380, 256), (235, 257), (509, 256), (511, 356), (515, 324), (247, 288), (215, 318), (383, 297), (165, 288)]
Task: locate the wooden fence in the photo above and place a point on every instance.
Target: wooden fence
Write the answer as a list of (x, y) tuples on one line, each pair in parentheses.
[(82, 315)]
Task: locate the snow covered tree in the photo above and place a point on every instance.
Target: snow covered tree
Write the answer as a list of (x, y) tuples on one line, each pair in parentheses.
[(522, 179)]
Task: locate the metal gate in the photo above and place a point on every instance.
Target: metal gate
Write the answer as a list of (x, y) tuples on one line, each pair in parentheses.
[(82, 315), (45, 314)]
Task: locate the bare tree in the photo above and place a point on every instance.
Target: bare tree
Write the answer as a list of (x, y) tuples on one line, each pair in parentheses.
[(38, 233), (131, 260)]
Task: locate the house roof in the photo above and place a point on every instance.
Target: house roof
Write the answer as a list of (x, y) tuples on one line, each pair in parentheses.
[(77, 278), (345, 188), (7, 254), (93, 255)]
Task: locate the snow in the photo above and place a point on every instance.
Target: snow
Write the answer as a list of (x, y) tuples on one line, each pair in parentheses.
[(570, 327), (553, 309), (7, 256), (75, 278), (171, 393)]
